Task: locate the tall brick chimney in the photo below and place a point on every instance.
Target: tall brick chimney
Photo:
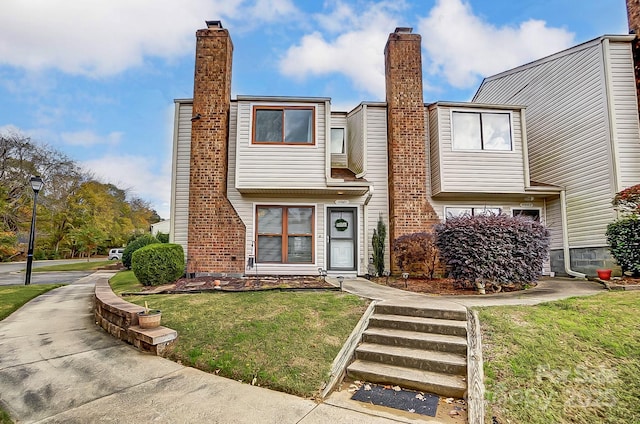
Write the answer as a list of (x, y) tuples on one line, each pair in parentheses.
[(216, 242), (409, 207), (633, 17)]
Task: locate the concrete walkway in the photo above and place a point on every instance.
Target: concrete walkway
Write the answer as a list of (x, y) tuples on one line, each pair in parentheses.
[(57, 366)]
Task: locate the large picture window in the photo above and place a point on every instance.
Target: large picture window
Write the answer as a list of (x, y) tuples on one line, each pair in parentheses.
[(481, 131), (285, 234), (459, 212), (286, 125)]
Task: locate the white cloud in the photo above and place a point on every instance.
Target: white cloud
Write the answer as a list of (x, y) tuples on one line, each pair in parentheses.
[(137, 174), (104, 37), (461, 47), (88, 138), (356, 51)]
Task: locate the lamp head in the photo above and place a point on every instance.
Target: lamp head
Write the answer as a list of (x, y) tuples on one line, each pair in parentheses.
[(36, 184)]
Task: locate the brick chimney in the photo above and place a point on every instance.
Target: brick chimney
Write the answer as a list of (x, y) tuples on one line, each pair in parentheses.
[(216, 242), (633, 17), (409, 207)]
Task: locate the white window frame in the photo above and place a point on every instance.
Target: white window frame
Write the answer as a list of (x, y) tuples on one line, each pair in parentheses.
[(472, 207), (481, 111)]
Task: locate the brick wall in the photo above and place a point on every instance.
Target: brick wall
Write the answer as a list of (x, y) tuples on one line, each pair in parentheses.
[(633, 16), (216, 232), (409, 208)]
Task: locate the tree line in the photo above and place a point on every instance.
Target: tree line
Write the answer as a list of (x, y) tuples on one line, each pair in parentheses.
[(77, 215)]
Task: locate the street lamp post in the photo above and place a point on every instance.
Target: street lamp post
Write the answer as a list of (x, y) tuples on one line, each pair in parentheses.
[(36, 185)]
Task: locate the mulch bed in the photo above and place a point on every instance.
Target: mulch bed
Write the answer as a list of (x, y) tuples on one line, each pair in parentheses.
[(243, 284), (437, 286)]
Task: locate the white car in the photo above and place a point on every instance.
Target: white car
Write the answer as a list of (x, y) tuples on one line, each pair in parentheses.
[(116, 254)]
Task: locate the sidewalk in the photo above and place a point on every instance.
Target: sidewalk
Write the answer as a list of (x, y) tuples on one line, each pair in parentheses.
[(57, 366)]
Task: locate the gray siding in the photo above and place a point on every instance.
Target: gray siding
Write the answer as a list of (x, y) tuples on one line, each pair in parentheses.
[(434, 151), (568, 132), (479, 171), (624, 105), (356, 122), (180, 178), (377, 173), (279, 166)]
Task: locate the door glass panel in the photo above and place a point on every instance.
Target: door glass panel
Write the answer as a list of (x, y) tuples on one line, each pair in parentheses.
[(342, 224)]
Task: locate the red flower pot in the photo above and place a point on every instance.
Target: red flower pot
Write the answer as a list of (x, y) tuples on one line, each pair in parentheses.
[(604, 274)]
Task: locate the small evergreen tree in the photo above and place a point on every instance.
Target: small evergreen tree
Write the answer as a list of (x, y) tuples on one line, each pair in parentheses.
[(379, 236)]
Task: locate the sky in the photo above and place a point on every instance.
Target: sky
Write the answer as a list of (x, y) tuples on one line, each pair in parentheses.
[(97, 79)]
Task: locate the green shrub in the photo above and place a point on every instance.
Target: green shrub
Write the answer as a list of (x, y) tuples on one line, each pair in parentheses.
[(158, 263), (416, 253), (134, 245), (379, 235), (163, 237), (623, 237), (496, 248)]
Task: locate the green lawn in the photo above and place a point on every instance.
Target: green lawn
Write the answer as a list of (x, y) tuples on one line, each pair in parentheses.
[(13, 297), (125, 281), (571, 361), (78, 266), (4, 417), (284, 340)]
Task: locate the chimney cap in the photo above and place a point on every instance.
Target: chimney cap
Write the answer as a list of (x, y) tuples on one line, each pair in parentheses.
[(214, 24), (403, 30)]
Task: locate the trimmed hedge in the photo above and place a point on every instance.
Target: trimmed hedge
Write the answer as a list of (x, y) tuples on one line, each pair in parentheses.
[(495, 248), (158, 263), (134, 245), (623, 237)]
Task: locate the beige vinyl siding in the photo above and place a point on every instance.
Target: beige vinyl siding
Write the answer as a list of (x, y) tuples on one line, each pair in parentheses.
[(180, 180), (338, 120), (624, 106), (279, 166), (377, 173), (356, 121), (568, 132), (434, 150), (554, 223), (479, 170)]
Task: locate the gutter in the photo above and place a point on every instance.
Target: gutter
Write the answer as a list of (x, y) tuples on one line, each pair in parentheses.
[(565, 238)]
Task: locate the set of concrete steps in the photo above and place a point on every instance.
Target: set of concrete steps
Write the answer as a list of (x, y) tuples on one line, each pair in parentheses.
[(414, 347)]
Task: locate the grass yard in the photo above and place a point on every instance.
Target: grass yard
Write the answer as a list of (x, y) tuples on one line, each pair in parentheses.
[(78, 266), (13, 297), (284, 340), (4, 417), (570, 361), (125, 281)]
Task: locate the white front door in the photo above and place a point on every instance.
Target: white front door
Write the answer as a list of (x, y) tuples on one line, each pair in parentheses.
[(342, 230)]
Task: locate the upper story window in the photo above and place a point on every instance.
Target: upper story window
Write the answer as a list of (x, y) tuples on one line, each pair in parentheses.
[(283, 124), (481, 131), (337, 140)]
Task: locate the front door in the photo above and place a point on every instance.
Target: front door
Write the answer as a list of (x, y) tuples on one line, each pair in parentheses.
[(342, 247)]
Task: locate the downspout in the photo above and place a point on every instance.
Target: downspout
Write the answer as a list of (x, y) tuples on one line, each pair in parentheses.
[(565, 238), (365, 220)]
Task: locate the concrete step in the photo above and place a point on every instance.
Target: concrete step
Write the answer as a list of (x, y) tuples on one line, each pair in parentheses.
[(416, 340), (419, 324), (427, 360), (417, 311), (410, 378)]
